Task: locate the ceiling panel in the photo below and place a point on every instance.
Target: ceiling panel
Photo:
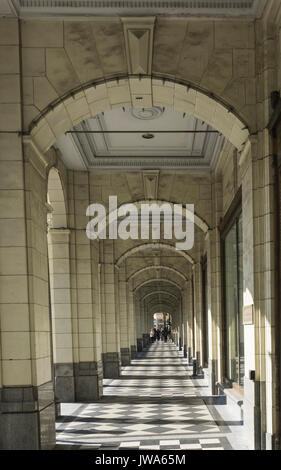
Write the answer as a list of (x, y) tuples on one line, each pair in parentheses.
[(116, 139)]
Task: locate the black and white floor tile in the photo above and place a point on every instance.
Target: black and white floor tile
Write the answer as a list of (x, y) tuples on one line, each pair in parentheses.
[(154, 405)]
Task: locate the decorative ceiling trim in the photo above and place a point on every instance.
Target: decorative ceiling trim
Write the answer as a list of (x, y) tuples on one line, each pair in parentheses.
[(159, 293), (138, 34), (150, 184), (162, 280), (100, 9), (154, 246), (158, 268), (208, 7), (185, 4)]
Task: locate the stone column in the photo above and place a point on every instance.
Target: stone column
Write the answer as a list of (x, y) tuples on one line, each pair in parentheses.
[(125, 346), (28, 408), (260, 398), (139, 323), (180, 322), (132, 320), (197, 279), (84, 269), (110, 319), (145, 334), (185, 319), (59, 275), (190, 323), (212, 241)]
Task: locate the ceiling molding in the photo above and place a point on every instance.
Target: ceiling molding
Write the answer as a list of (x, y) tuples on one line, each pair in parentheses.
[(105, 150), (150, 184), (204, 8)]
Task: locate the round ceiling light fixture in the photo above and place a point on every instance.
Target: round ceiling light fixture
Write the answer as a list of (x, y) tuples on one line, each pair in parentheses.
[(147, 113), (148, 136)]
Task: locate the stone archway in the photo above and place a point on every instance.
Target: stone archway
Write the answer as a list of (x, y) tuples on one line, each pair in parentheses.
[(145, 246), (62, 115), (158, 268)]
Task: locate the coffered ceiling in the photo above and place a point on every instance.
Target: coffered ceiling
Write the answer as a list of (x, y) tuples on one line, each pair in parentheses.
[(148, 137)]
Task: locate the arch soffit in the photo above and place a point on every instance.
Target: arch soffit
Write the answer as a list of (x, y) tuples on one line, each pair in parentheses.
[(161, 293), (158, 268), (168, 281), (157, 245)]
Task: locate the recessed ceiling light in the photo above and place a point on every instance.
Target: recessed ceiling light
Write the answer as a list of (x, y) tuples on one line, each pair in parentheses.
[(139, 98), (148, 136)]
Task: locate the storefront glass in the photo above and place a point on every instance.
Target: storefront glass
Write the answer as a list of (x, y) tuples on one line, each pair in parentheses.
[(233, 270)]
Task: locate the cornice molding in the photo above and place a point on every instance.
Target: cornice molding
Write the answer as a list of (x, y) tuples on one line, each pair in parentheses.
[(207, 8)]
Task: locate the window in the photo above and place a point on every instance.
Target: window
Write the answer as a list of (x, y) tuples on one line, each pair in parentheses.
[(233, 297)]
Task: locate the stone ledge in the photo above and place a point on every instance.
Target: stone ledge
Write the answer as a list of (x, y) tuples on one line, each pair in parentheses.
[(233, 399)]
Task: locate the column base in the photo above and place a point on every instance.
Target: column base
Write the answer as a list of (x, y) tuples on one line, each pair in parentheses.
[(180, 343), (271, 442), (145, 340), (64, 383), (133, 352), (252, 417), (125, 356), (88, 381), (139, 344), (189, 355), (111, 365), (58, 410), (198, 364), (28, 418), (213, 376)]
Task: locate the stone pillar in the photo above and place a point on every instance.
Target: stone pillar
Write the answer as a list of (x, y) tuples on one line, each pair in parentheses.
[(28, 408), (190, 323), (214, 307), (125, 348), (110, 319), (132, 320), (84, 269), (260, 398), (185, 320), (139, 323), (197, 280), (251, 388), (59, 275), (145, 336)]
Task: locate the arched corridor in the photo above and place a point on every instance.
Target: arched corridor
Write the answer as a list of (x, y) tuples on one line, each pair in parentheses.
[(140, 189)]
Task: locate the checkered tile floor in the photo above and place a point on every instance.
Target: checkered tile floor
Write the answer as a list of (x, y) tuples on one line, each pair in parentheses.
[(154, 405)]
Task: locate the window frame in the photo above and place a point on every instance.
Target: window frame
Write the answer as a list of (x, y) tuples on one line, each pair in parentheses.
[(231, 217)]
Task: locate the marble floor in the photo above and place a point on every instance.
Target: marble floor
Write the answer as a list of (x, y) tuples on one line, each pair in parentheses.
[(155, 405)]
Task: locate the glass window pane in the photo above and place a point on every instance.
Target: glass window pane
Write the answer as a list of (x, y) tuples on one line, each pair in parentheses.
[(233, 251)]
